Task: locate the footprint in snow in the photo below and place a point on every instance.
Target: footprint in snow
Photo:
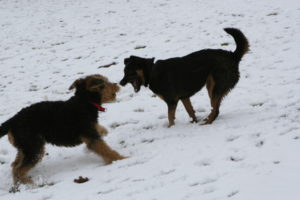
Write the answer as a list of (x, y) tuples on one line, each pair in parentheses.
[(118, 124), (162, 117), (296, 137), (203, 163), (209, 190), (256, 135), (259, 143), (147, 140), (232, 138), (163, 173), (276, 162), (148, 127), (233, 193), (139, 110), (2, 161), (236, 158), (3, 152), (208, 181)]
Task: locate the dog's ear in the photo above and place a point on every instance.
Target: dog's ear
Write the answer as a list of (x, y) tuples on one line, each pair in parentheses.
[(132, 59), (152, 60), (126, 61), (75, 84)]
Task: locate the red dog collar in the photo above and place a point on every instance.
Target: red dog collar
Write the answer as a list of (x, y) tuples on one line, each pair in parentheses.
[(99, 107)]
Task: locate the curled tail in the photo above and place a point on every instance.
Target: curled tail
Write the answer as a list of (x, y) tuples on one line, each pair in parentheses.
[(4, 128), (242, 45)]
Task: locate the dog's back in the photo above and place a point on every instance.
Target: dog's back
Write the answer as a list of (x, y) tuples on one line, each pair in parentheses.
[(57, 122), (188, 74)]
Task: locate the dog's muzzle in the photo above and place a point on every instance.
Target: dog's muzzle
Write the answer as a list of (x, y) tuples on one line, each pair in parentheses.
[(123, 82)]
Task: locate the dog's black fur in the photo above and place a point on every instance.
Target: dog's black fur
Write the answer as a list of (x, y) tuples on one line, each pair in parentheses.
[(63, 123), (179, 78)]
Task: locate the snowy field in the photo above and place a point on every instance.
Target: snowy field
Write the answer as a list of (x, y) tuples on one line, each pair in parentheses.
[(251, 152)]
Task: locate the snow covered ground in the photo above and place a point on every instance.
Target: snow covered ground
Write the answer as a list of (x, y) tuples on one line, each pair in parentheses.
[(251, 152)]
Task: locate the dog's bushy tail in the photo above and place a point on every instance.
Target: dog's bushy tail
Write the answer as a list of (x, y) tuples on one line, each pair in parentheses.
[(4, 128), (242, 45)]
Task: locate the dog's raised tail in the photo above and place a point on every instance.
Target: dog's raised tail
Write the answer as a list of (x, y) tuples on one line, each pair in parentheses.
[(242, 45), (4, 128)]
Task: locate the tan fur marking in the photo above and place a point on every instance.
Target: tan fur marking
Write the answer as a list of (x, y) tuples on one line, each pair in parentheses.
[(20, 170), (210, 84), (171, 116), (189, 108), (101, 130), (214, 101), (140, 73), (160, 96), (215, 110), (18, 159), (109, 92), (11, 138), (20, 175), (102, 149)]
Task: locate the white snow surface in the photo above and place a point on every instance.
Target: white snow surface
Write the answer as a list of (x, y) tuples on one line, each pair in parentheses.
[(251, 152)]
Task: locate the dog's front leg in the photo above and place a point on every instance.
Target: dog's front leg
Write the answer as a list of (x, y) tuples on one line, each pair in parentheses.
[(171, 112), (102, 149), (101, 130), (189, 108)]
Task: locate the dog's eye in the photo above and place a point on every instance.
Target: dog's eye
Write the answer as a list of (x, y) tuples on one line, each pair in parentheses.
[(97, 82), (101, 86)]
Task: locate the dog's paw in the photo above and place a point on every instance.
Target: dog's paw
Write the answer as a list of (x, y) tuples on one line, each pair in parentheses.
[(194, 121), (171, 123), (115, 158), (104, 132), (206, 122), (120, 157), (101, 130)]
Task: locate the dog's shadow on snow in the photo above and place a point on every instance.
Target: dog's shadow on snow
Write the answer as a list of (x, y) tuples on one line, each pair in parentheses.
[(62, 164)]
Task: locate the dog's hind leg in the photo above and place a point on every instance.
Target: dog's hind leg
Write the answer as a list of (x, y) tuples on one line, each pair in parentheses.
[(18, 159), (19, 156), (215, 102), (102, 149), (24, 162), (189, 108), (210, 85), (216, 93)]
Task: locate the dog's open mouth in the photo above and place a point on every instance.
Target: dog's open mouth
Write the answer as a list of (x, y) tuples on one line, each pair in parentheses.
[(136, 85)]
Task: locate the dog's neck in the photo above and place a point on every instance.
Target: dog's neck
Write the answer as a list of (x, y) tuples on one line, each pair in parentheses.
[(98, 106), (88, 99), (147, 73)]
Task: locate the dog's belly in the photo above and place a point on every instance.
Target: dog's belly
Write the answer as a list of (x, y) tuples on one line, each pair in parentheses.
[(70, 142), (67, 139)]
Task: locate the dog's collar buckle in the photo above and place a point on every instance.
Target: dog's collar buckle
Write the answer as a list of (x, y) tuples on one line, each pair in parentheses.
[(98, 106)]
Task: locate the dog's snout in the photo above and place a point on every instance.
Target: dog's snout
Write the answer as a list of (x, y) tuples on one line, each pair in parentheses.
[(117, 88), (123, 82)]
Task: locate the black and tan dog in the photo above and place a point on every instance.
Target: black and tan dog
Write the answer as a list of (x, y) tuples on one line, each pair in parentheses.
[(62, 123), (179, 78)]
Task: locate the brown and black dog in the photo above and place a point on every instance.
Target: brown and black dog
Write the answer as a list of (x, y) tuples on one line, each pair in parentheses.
[(180, 78), (62, 123)]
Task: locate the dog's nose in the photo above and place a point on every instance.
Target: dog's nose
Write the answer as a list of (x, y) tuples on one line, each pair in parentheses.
[(123, 82)]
